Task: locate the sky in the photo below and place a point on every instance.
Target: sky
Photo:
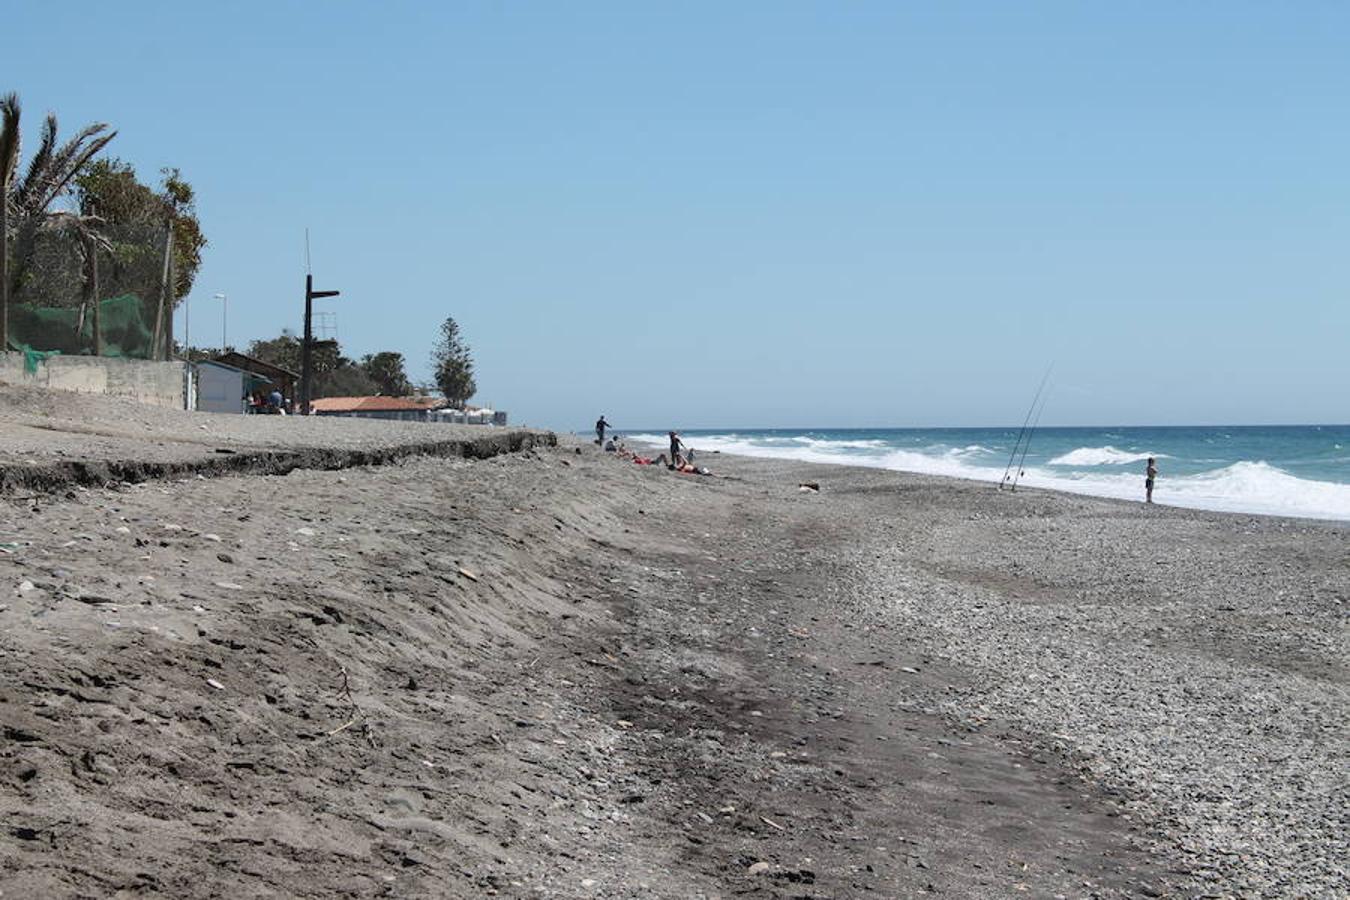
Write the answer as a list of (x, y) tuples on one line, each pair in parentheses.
[(761, 214)]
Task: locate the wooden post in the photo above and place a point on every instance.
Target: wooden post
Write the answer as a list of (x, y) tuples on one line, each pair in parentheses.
[(93, 290), (173, 301), (306, 351), (307, 348), (156, 346)]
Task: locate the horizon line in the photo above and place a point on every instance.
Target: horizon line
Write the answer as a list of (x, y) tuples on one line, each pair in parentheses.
[(663, 430)]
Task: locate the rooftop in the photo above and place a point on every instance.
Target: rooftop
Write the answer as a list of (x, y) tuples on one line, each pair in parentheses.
[(375, 404), (251, 364)]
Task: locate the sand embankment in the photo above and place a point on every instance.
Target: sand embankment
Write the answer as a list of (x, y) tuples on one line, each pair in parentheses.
[(56, 439), (550, 673)]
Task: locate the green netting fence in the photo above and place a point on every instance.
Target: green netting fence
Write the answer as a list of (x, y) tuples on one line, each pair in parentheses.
[(121, 327), (53, 285)]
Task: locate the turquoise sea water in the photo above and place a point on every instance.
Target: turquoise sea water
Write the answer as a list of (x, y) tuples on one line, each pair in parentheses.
[(1299, 470)]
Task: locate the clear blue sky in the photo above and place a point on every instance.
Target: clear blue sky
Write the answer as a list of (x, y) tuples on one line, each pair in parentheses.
[(761, 214)]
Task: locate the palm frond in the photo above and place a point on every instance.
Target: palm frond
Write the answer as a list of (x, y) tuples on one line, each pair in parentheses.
[(9, 136), (78, 163), (89, 231), (38, 164), (65, 164), (71, 148)]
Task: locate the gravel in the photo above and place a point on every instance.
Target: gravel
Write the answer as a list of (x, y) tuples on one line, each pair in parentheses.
[(1191, 665), (607, 680)]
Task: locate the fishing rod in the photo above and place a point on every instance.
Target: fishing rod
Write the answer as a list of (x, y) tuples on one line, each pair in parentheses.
[(1021, 465), (1031, 409)]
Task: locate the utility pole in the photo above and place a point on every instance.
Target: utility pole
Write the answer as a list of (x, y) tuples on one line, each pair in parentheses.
[(306, 349), (224, 320)]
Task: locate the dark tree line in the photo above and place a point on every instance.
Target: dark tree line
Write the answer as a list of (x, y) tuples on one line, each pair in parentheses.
[(338, 375), (335, 374)]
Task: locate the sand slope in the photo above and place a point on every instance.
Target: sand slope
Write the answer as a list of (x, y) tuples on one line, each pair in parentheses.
[(553, 674)]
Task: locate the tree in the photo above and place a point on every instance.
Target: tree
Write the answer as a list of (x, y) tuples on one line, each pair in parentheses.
[(282, 350), (347, 379), (387, 371), (25, 202), (453, 364), (90, 239), (199, 354), (50, 173), (334, 375), (53, 168), (109, 189), (9, 159)]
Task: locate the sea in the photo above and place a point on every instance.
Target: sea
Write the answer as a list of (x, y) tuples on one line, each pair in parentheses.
[(1295, 470)]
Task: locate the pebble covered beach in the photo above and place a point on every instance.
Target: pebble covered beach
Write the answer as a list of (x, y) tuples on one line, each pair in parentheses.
[(554, 673)]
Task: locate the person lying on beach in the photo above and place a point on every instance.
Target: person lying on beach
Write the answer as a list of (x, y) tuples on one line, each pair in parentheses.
[(684, 466), (681, 465)]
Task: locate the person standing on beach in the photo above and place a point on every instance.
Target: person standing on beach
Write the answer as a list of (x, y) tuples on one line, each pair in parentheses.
[(600, 427), (676, 445), (1150, 473)]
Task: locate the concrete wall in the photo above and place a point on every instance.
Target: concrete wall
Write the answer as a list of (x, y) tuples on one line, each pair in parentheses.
[(157, 383)]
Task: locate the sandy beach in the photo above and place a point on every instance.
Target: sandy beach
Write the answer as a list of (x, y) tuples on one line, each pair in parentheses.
[(551, 673)]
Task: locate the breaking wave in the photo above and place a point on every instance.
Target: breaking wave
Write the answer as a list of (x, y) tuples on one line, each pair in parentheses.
[(1101, 456), (1244, 486)]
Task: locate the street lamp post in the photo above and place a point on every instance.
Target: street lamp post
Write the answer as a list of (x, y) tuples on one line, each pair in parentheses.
[(224, 320)]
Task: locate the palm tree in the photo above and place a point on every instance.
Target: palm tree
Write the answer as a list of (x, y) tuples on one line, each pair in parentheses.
[(52, 168), (9, 158), (90, 239), (50, 172)]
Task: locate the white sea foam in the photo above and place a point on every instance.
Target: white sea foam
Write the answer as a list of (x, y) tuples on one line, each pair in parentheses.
[(782, 446), (846, 445), (1102, 456), (1248, 487), (971, 450)]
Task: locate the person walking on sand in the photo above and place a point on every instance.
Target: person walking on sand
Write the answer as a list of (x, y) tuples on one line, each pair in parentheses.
[(1150, 473), (600, 427)]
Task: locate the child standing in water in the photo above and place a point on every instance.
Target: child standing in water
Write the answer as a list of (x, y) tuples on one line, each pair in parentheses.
[(1149, 474)]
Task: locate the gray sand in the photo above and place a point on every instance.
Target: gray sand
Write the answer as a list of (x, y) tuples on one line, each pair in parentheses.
[(41, 427), (555, 674)]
